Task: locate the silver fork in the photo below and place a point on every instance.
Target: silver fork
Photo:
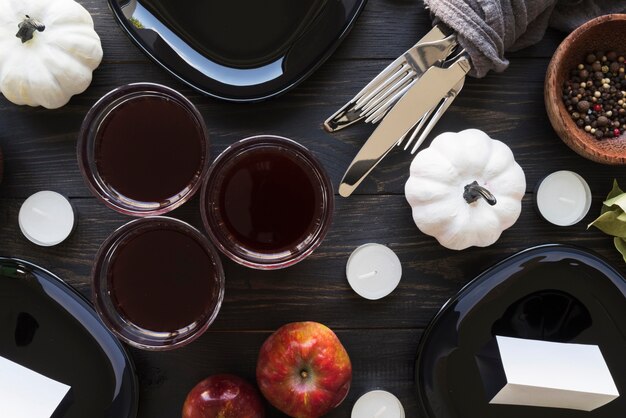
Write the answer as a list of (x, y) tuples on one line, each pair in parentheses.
[(374, 101), (428, 122)]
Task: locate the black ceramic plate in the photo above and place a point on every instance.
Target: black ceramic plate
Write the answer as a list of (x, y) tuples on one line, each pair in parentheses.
[(47, 326), (238, 50), (552, 293)]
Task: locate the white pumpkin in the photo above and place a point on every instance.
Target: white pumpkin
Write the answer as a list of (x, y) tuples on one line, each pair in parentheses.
[(465, 189), (48, 51)]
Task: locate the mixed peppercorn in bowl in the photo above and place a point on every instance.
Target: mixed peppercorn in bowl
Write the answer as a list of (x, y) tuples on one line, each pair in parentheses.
[(585, 90)]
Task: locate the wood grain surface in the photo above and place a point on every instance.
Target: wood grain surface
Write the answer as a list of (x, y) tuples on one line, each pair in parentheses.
[(382, 336)]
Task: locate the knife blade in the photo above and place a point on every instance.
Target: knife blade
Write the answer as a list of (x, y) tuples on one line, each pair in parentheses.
[(424, 95)]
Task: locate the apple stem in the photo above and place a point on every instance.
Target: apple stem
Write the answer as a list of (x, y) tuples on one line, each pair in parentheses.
[(304, 374)]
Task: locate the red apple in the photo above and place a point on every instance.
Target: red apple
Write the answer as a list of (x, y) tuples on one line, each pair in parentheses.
[(223, 396), (303, 370)]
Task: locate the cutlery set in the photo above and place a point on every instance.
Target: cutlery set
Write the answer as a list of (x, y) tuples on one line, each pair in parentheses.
[(406, 99)]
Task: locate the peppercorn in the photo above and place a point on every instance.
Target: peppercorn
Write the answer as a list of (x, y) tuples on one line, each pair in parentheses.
[(614, 67), (594, 94), (616, 132), (583, 106)]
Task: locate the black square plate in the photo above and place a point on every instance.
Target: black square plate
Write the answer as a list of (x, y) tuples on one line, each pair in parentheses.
[(238, 50)]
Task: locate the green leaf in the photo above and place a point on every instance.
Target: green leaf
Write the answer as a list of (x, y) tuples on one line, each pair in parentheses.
[(612, 219), (615, 192), (616, 201), (609, 223), (620, 244)]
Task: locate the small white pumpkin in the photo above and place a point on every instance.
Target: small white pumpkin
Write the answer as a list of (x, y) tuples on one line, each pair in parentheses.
[(465, 189), (48, 51)]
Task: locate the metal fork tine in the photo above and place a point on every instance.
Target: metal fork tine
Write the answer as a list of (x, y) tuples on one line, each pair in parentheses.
[(382, 114), (398, 85), (379, 112), (412, 134), (381, 88), (380, 78), (447, 101), (432, 121), (383, 110)]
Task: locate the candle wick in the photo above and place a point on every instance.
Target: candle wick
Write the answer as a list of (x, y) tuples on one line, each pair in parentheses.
[(368, 275), (380, 412)]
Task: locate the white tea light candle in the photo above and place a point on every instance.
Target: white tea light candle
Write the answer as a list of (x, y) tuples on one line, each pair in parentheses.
[(563, 198), (46, 218), (378, 404), (373, 271)]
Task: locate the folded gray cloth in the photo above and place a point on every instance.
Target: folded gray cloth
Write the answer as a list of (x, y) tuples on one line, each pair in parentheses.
[(489, 28)]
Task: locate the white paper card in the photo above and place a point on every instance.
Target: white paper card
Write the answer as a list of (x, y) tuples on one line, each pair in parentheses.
[(27, 394), (557, 375)]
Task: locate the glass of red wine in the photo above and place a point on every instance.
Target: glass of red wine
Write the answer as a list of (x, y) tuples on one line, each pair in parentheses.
[(267, 202), (158, 283), (143, 149)]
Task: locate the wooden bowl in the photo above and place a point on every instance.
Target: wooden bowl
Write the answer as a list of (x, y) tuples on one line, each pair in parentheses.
[(604, 33)]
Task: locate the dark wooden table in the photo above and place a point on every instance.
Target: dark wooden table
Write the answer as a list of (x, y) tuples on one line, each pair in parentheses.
[(381, 336)]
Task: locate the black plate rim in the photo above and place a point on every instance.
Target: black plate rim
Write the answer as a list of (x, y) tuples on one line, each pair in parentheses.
[(82, 300), (127, 28), (478, 280)]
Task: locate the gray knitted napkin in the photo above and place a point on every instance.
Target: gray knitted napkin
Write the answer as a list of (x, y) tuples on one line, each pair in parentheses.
[(489, 28)]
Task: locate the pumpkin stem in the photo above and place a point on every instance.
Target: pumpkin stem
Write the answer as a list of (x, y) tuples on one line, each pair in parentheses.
[(475, 191), (27, 28)]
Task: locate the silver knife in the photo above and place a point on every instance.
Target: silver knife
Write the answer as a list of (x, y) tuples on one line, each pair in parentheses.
[(424, 95)]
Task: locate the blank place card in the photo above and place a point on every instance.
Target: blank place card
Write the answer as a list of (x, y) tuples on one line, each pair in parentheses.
[(28, 394), (517, 371)]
